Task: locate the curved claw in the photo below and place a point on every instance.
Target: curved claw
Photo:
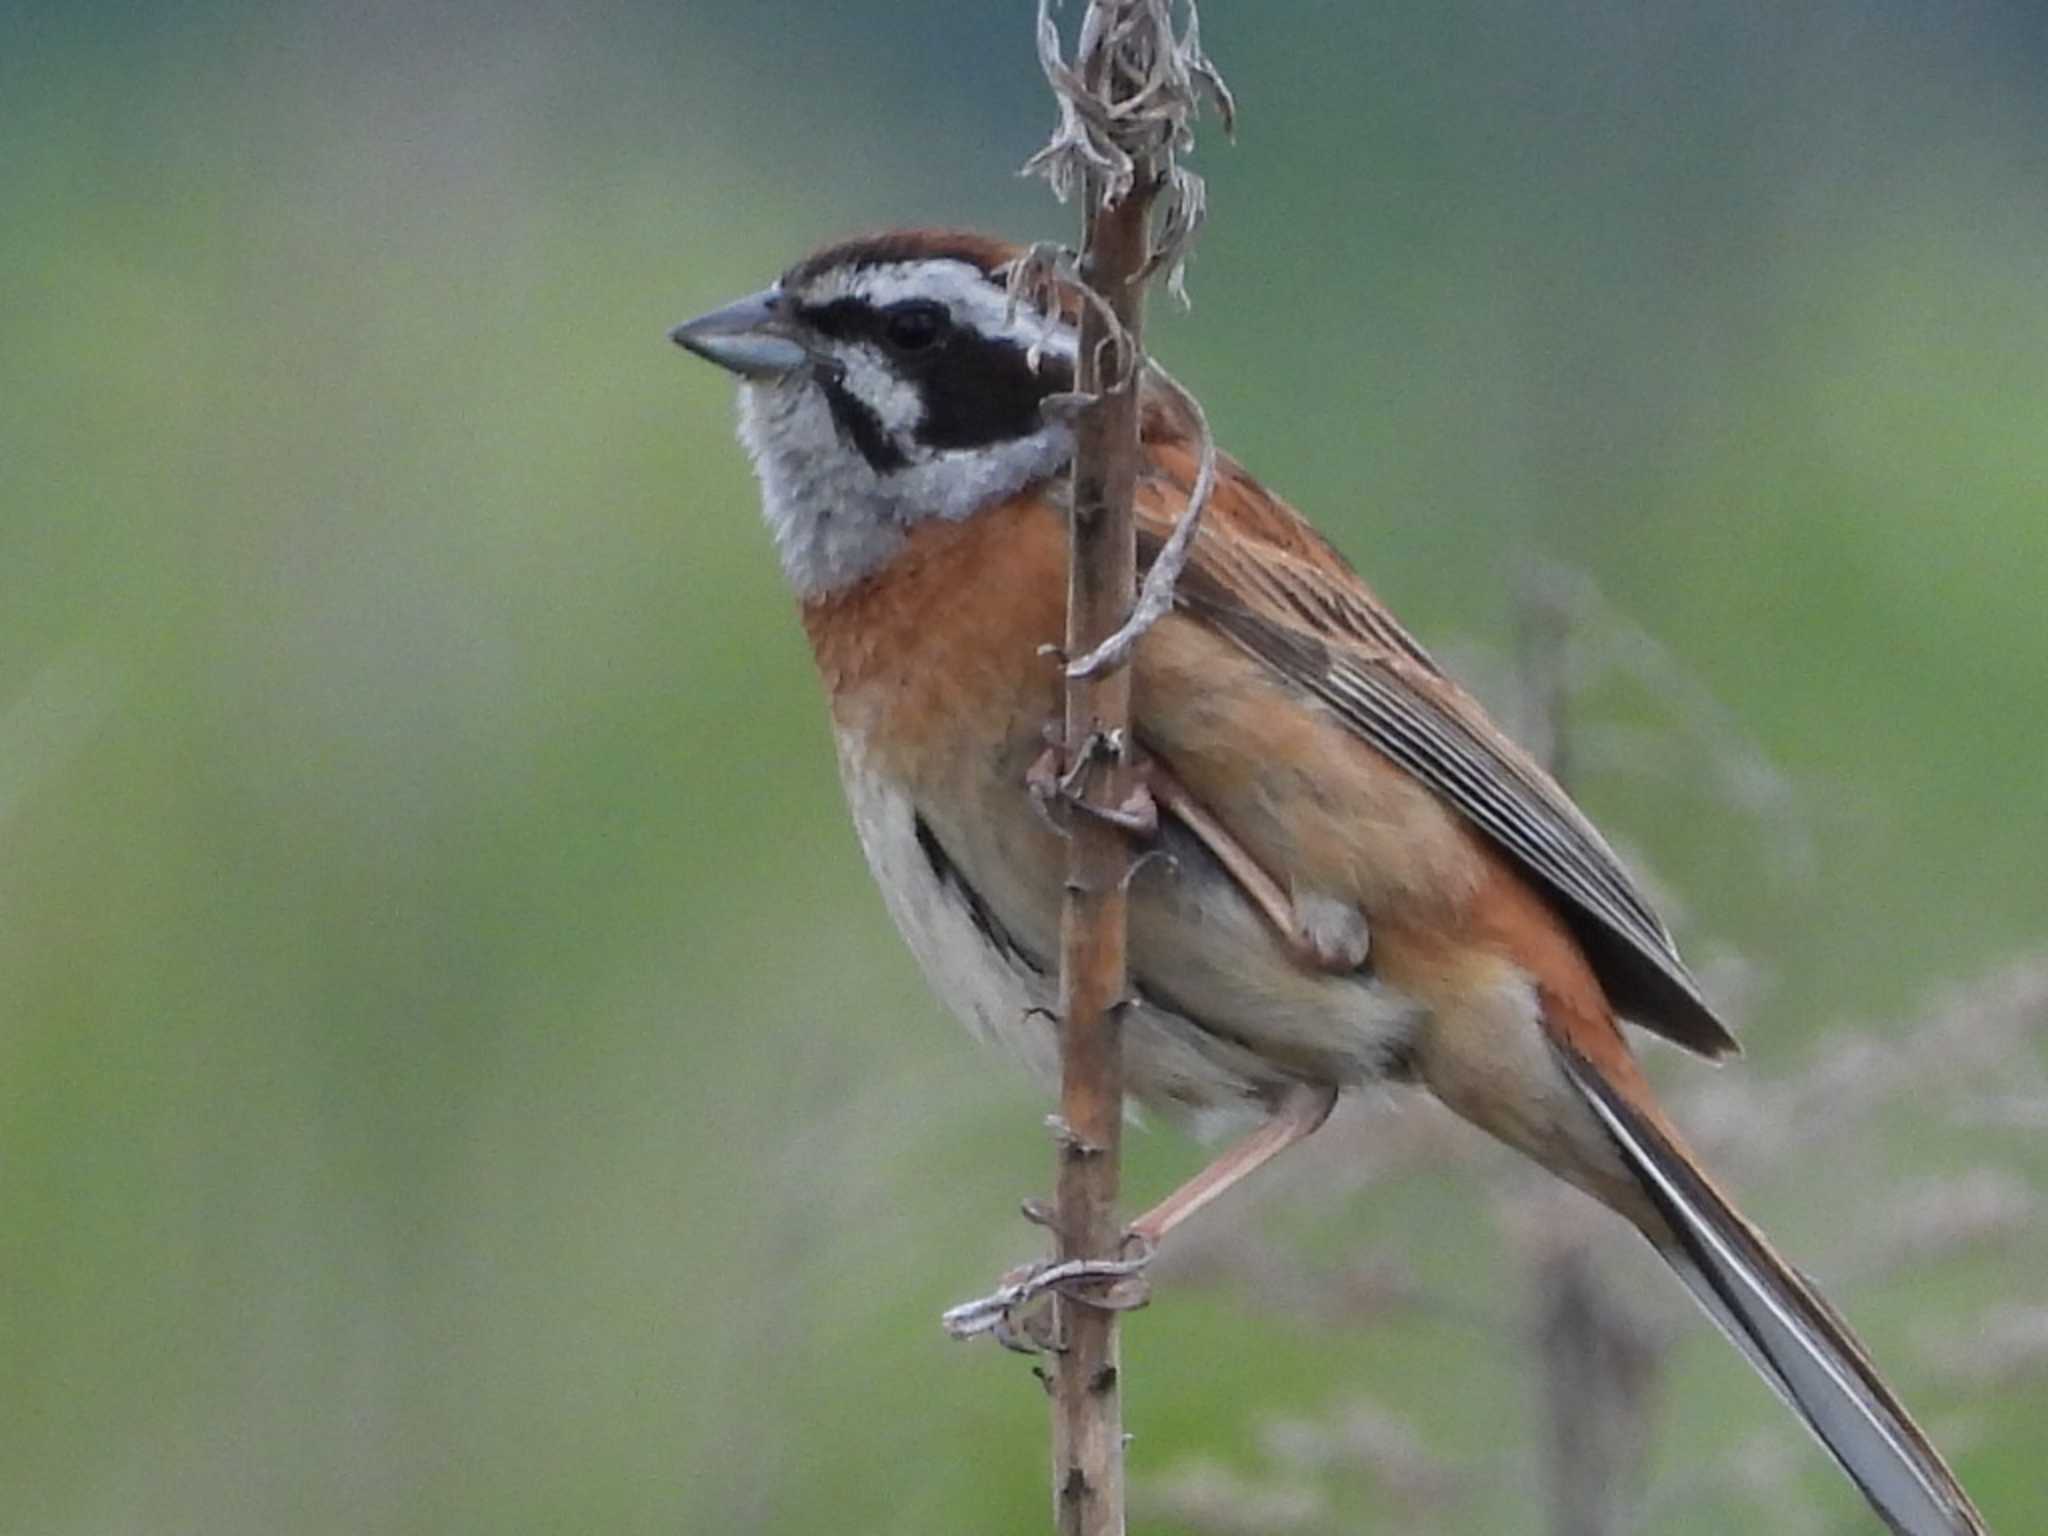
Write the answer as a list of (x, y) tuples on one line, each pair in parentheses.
[(1081, 1280), (1053, 785)]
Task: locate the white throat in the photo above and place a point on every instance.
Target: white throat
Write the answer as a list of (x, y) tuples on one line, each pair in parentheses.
[(834, 518)]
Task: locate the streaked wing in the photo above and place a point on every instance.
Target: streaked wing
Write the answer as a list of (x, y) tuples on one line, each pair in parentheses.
[(1292, 603)]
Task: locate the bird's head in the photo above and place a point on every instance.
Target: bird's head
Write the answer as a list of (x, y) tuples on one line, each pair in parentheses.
[(887, 380)]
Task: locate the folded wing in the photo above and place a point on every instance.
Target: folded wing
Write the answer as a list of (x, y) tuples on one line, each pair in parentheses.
[(1281, 594)]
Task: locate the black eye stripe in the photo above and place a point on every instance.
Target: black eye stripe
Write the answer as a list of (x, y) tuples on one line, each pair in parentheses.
[(976, 389), (843, 319), (892, 326), (916, 325)]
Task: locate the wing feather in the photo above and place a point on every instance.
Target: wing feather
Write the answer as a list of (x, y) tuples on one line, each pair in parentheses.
[(1261, 577)]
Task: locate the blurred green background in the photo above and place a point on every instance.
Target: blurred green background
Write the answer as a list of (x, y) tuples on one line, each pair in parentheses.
[(456, 1074)]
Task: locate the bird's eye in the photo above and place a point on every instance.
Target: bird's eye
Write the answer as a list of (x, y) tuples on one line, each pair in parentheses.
[(914, 326)]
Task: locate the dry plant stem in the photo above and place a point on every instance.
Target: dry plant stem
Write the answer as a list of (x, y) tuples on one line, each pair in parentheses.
[(1597, 1364), (1127, 106), (1087, 1404), (1598, 1369)]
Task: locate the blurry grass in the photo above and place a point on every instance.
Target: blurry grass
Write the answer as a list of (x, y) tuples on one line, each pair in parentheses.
[(455, 1074)]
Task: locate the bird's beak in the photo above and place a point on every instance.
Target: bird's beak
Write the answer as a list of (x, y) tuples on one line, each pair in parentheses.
[(751, 337)]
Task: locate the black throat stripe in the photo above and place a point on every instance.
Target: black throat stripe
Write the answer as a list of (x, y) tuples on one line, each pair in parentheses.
[(859, 425)]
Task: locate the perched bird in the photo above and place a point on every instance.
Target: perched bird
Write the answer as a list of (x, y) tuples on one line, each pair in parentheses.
[(1367, 879)]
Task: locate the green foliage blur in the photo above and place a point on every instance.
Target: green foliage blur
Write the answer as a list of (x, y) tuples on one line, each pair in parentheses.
[(454, 1073)]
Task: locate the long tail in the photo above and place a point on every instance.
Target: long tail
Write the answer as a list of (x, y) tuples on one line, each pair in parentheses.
[(1797, 1342)]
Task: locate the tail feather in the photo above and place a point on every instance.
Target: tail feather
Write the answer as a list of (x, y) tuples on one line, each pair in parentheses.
[(1796, 1341)]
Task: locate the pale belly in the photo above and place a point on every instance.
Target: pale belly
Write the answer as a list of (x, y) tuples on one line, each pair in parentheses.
[(1223, 1020)]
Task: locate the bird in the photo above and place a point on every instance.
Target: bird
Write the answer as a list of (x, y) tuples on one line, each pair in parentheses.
[(1362, 879)]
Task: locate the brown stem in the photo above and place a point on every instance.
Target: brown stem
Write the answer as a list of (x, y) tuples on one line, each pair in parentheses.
[(1127, 106), (1087, 1407), (1597, 1364)]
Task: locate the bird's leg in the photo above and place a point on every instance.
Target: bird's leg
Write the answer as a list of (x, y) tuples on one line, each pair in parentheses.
[(1323, 932), (1301, 1110), (1119, 1284)]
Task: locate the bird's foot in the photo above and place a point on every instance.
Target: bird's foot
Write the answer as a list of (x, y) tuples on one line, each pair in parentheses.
[(1329, 934), (1012, 1313), (1056, 784)]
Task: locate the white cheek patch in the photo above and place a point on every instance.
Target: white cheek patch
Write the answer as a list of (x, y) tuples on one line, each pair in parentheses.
[(834, 519), (868, 377)]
